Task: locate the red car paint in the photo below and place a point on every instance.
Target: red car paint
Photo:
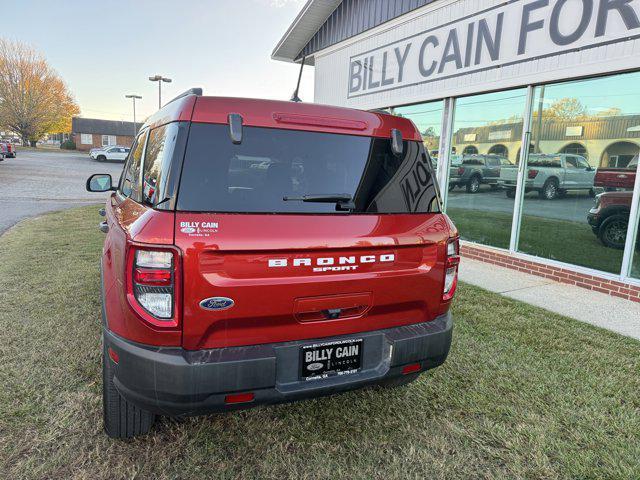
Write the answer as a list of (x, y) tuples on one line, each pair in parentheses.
[(261, 252), (610, 178), (408, 291)]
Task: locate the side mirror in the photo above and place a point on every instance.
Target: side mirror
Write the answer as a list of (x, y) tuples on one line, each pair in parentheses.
[(396, 142), (99, 182)]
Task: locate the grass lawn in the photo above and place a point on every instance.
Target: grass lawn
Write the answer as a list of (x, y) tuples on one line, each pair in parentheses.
[(560, 240), (524, 393)]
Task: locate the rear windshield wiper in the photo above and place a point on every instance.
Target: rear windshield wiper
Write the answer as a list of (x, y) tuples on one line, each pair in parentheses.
[(343, 201)]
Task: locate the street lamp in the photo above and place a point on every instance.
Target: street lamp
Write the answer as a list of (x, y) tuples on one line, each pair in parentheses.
[(134, 97), (159, 79)]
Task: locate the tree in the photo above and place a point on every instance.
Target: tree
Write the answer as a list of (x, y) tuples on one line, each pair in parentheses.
[(34, 100), (566, 109)]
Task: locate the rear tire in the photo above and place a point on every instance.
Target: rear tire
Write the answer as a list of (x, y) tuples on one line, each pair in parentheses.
[(473, 185), (511, 193), (613, 231), (121, 418), (399, 381), (550, 190)]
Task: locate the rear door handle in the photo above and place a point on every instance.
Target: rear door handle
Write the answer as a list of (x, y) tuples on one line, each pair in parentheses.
[(103, 227)]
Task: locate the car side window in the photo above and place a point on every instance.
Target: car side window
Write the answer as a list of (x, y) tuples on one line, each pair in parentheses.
[(571, 162), (130, 185), (160, 146), (582, 163)]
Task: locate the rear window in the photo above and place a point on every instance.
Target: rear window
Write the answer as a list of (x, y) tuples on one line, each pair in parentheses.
[(270, 164)]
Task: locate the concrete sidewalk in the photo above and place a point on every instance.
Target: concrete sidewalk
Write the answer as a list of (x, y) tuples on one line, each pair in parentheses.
[(615, 314)]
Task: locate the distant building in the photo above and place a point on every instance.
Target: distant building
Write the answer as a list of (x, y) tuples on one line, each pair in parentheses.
[(90, 133)]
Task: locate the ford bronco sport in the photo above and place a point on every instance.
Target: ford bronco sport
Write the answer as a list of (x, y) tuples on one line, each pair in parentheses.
[(262, 251)]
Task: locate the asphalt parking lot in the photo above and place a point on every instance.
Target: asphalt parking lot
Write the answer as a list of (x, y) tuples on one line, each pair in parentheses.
[(36, 182), (574, 207)]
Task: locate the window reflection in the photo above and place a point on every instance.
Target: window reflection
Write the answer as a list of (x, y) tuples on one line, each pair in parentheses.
[(486, 141), (585, 142), (428, 119)]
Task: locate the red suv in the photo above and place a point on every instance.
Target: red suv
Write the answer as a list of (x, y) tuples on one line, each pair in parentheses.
[(262, 251)]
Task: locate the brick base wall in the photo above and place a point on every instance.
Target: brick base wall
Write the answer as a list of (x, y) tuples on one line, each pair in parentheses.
[(563, 275)]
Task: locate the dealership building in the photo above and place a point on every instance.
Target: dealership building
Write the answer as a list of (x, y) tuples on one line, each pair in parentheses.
[(483, 78)]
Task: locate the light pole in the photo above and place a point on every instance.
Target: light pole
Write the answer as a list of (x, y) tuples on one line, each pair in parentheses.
[(160, 79), (134, 98)]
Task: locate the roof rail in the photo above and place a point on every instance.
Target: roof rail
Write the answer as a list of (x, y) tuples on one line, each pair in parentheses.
[(192, 91)]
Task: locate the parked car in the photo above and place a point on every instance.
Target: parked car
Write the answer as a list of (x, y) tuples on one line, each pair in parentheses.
[(235, 286), (614, 178), (7, 150), (476, 170), (609, 218), (116, 153), (551, 175), (96, 149)]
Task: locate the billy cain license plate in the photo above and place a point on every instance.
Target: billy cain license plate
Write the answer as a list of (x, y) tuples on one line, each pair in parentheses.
[(323, 360)]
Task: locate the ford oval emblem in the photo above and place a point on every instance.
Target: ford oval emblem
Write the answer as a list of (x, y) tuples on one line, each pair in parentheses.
[(216, 303), (188, 230), (315, 366)]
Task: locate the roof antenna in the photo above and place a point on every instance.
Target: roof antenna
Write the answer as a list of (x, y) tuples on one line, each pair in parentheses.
[(295, 97)]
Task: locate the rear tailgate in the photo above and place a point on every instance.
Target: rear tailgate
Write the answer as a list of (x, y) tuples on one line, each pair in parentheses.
[(509, 174), (307, 276), (615, 178)]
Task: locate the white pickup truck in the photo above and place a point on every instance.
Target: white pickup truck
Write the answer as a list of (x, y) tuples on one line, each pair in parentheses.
[(551, 175)]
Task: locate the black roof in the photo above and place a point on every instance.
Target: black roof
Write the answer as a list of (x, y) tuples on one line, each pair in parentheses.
[(103, 127)]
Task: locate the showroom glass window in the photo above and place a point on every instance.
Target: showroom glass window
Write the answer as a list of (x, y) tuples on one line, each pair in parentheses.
[(572, 212), (428, 120), (485, 144)]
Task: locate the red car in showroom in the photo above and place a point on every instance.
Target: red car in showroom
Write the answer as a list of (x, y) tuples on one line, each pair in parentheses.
[(262, 251)]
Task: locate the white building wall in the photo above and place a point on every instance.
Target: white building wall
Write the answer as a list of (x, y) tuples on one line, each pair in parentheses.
[(622, 52)]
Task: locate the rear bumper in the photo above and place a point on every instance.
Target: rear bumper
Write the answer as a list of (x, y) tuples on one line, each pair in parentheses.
[(172, 381)]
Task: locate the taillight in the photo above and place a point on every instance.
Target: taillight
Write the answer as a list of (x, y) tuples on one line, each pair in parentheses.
[(533, 173), (154, 285), (460, 170), (153, 282), (451, 272), (9, 148)]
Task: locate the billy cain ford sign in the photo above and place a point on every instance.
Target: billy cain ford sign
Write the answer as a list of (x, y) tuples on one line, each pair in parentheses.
[(512, 32)]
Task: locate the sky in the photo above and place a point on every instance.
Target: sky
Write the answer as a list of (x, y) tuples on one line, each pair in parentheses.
[(105, 49), (596, 95)]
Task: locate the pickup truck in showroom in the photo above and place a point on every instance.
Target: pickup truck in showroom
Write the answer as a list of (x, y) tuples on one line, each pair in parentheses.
[(476, 170), (551, 175), (614, 178)]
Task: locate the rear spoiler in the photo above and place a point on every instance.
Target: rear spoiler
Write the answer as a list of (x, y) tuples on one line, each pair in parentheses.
[(192, 91)]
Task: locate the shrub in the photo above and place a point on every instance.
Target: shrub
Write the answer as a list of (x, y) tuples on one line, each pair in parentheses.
[(68, 145)]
